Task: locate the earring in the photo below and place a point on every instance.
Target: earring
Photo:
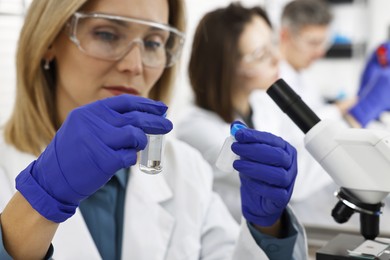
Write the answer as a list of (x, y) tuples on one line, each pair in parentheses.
[(47, 65)]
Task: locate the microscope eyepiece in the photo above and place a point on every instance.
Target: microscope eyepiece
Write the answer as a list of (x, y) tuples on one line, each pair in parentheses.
[(291, 104)]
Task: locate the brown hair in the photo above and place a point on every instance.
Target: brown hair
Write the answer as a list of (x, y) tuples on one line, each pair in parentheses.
[(215, 55), (34, 120)]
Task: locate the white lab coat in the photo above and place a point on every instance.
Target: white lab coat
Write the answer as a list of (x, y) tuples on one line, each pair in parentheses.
[(206, 131), (172, 215)]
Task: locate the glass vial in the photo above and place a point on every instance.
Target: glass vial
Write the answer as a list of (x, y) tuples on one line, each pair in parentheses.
[(150, 161), (226, 156)]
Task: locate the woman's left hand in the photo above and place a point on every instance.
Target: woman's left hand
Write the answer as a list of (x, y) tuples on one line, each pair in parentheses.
[(267, 168)]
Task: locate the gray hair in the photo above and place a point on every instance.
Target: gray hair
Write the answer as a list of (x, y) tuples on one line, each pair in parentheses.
[(300, 13)]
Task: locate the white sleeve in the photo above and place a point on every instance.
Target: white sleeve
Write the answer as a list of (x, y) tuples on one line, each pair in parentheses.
[(247, 247), (220, 233), (5, 196), (223, 239), (6, 189)]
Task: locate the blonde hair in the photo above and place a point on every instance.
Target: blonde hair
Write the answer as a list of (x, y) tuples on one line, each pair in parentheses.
[(34, 120)]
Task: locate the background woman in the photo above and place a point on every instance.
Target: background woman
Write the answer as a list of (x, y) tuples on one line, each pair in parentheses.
[(233, 54)]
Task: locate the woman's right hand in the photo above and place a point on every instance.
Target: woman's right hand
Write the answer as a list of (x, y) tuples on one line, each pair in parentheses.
[(94, 142)]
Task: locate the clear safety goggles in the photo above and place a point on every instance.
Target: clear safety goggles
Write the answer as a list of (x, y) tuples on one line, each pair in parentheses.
[(263, 55), (110, 37)]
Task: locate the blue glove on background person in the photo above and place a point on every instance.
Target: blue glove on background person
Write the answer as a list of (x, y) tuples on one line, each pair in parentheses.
[(378, 60), (374, 98), (267, 168), (94, 142)]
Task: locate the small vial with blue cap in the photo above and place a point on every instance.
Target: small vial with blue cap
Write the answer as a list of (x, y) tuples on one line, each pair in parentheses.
[(150, 161), (226, 156)]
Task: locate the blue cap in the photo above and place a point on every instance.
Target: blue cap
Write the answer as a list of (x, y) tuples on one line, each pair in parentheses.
[(235, 127)]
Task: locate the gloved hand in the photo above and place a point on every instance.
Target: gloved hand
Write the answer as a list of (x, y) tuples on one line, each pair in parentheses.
[(94, 142), (267, 168), (379, 59), (374, 99)]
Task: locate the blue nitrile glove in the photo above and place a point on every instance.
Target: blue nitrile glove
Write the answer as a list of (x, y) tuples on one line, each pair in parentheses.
[(267, 168), (374, 100), (379, 59), (94, 142)]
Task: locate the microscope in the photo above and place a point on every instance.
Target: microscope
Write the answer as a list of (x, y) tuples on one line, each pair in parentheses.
[(358, 160)]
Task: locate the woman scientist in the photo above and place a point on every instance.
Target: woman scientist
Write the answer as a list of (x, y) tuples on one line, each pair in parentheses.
[(72, 142), (232, 55)]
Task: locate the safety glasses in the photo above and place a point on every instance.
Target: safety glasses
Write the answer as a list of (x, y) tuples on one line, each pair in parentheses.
[(261, 55), (110, 37)]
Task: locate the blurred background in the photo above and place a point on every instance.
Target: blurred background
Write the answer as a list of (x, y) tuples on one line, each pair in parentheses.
[(358, 27)]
